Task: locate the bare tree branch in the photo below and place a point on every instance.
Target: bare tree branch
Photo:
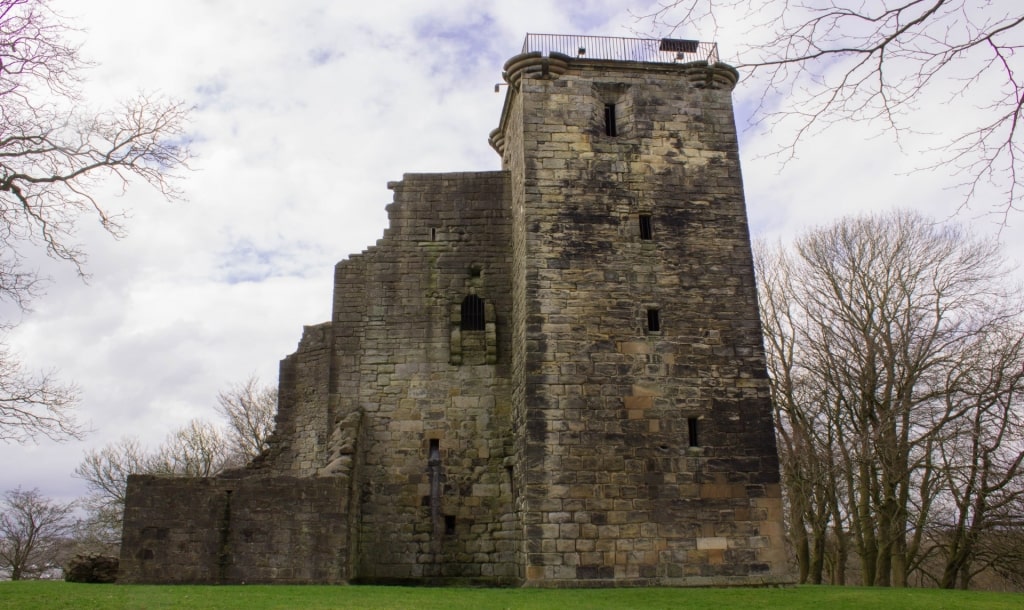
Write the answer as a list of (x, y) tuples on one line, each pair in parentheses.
[(879, 63), (249, 409), (34, 406), (55, 158)]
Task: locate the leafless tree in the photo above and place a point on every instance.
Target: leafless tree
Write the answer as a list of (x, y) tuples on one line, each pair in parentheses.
[(33, 406), (871, 325), (982, 461), (879, 62), (33, 532), (249, 409), (807, 433), (55, 157), (106, 474), (197, 449)]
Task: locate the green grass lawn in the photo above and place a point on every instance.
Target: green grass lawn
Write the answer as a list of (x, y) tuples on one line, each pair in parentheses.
[(49, 595)]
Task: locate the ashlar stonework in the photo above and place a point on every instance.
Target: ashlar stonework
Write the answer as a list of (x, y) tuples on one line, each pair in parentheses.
[(548, 375)]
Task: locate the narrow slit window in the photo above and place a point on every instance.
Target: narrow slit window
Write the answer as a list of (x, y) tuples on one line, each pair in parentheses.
[(653, 320), (433, 234), (646, 229), (473, 313), (449, 525), (434, 453), (610, 128), (691, 428), (511, 480)]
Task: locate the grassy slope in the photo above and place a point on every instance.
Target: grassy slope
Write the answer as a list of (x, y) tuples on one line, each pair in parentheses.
[(55, 595)]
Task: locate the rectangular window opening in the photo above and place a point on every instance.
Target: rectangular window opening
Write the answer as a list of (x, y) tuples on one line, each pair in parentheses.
[(653, 320), (434, 452), (646, 230), (610, 128), (691, 428), (449, 525)]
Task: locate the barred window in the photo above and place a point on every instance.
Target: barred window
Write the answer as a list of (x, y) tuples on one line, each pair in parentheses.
[(473, 313)]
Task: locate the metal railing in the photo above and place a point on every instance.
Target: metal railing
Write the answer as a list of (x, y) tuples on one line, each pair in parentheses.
[(657, 50)]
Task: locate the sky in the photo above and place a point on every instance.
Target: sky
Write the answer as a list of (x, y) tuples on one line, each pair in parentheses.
[(303, 111)]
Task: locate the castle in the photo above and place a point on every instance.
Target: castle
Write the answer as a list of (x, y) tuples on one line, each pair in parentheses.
[(548, 375)]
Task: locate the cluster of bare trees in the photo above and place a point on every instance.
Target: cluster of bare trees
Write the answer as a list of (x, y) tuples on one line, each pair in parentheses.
[(896, 352), (37, 534), (200, 448)]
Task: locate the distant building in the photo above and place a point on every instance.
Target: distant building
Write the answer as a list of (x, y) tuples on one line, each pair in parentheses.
[(548, 375)]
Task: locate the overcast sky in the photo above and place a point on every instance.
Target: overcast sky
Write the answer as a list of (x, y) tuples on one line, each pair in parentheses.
[(304, 111)]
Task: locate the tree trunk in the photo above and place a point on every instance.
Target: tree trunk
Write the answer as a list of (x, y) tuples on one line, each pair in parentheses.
[(899, 567), (842, 558), (817, 558), (802, 551)]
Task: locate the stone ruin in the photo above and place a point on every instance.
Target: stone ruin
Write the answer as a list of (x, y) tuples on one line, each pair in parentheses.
[(548, 375), (91, 568)]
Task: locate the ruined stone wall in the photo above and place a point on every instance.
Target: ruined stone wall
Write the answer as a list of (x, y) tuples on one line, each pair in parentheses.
[(303, 425), (223, 530), (614, 489), (425, 381)]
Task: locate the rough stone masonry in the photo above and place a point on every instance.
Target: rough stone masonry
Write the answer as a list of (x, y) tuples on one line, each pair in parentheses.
[(549, 375)]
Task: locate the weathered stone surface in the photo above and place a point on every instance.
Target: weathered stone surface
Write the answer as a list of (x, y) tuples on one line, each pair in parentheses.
[(548, 375)]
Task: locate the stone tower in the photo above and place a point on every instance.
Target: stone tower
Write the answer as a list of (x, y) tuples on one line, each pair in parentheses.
[(640, 400), (548, 375)]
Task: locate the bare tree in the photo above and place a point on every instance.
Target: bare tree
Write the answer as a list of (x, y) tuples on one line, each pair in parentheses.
[(33, 532), (877, 63), (106, 474), (806, 430), (197, 449), (249, 409), (982, 463), (871, 325), (54, 158)]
